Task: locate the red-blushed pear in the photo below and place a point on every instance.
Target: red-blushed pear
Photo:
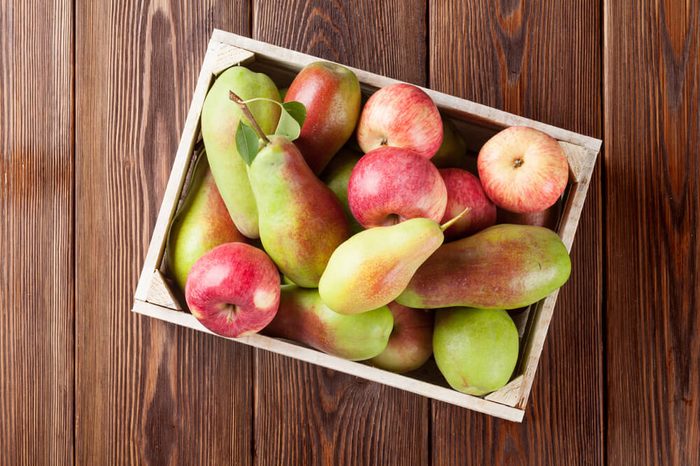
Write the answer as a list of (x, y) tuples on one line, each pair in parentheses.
[(501, 267), (400, 115), (373, 267), (523, 170), (301, 220), (411, 341), (331, 95), (389, 185), (201, 224), (233, 290), (303, 317), (464, 190)]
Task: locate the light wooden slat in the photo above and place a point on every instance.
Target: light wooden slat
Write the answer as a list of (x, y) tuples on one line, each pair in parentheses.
[(652, 161), (540, 60), (147, 392), (291, 350), (36, 233), (338, 419)]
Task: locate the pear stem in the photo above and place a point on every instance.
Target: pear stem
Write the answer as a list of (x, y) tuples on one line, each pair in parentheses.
[(452, 221), (249, 115)]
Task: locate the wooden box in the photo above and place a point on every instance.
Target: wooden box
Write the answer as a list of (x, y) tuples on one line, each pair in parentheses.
[(155, 297)]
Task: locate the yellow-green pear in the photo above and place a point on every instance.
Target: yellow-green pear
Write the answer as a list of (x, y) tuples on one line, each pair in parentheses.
[(303, 317), (374, 266), (201, 224), (220, 118), (475, 349)]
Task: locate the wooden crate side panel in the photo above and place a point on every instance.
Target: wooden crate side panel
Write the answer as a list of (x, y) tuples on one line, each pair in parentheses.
[(466, 109), (339, 364)]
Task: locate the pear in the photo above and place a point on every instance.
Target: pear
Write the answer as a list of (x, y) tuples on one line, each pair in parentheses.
[(337, 176), (301, 221), (374, 266), (501, 267), (201, 224), (303, 317), (475, 349), (453, 150), (220, 118), (332, 97)]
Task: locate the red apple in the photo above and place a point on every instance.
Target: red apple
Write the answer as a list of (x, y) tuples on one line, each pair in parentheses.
[(464, 190), (411, 341), (523, 170), (400, 115), (389, 185), (233, 290)]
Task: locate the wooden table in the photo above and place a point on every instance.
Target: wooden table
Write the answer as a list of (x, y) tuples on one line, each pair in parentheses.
[(93, 96)]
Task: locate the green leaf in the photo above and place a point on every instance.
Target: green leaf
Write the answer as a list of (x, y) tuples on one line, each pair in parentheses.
[(296, 110), (291, 119), (246, 142)]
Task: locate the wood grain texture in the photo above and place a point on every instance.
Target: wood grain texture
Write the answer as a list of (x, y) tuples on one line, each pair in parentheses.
[(305, 414), (540, 60), (387, 38), (147, 392), (652, 127), (36, 233)]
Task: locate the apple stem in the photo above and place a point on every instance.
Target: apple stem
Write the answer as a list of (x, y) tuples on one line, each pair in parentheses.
[(452, 221), (249, 115)]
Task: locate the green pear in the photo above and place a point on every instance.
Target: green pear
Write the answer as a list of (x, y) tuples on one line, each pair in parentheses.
[(303, 317), (501, 267), (475, 349), (453, 150), (301, 220), (220, 118), (201, 224), (337, 176), (374, 266)]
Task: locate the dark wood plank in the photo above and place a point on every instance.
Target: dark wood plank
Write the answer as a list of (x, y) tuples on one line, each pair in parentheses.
[(147, 392), (652, 135), (36, 233), (387, 38), (305, 414), (540, 60)]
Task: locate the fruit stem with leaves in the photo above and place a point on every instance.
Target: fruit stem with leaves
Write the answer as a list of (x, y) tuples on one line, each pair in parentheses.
[(249, 115)]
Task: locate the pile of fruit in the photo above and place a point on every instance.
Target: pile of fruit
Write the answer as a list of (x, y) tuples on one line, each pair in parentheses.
[(356, 229)]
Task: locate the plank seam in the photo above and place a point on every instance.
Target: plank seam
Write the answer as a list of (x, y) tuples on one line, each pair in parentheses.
[(74, 208), (604, 243)]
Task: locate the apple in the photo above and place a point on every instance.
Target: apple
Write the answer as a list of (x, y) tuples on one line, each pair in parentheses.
[(233, 290), (390, 184), (400, 115), (464, 190), (411, 341), (523, 170)]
